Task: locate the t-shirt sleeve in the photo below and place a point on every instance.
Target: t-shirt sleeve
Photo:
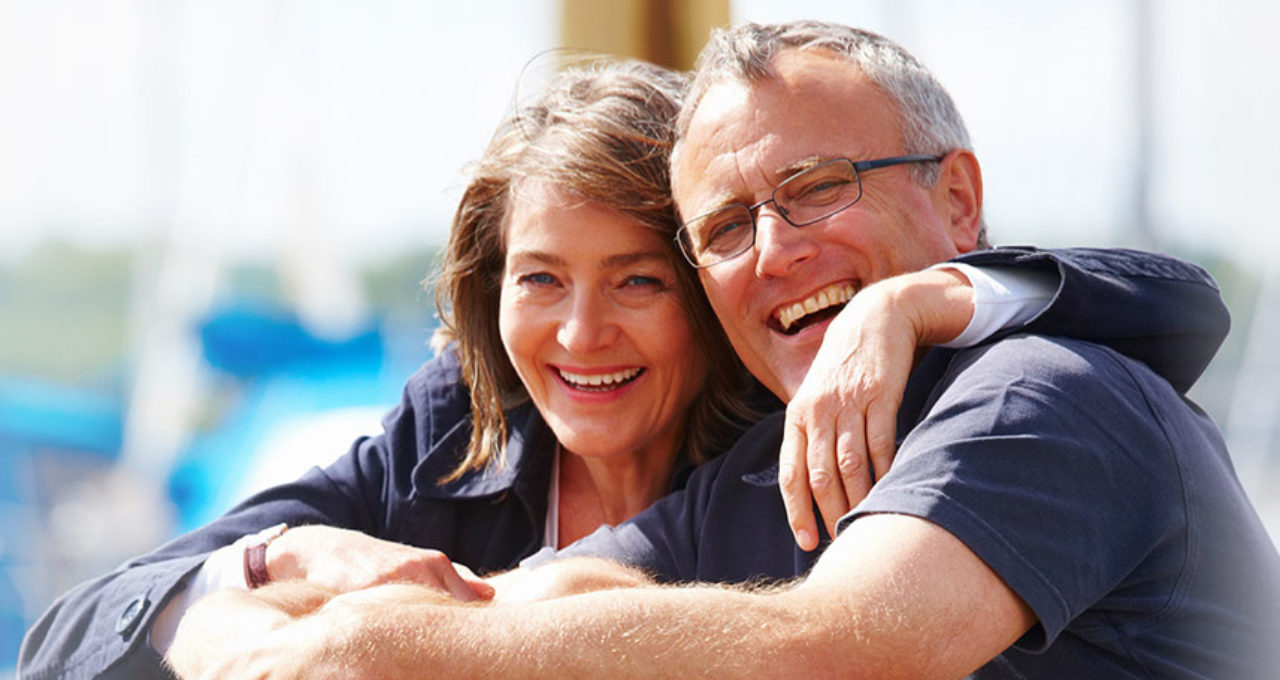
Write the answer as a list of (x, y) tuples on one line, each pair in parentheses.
[(1043, 457)]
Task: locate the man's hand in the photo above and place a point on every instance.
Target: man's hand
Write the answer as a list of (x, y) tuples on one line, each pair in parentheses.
[(286, 629), (842, 421), (345, 560)]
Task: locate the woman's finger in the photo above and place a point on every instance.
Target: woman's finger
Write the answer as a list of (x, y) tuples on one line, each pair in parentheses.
[(793, 481), (825, 479)]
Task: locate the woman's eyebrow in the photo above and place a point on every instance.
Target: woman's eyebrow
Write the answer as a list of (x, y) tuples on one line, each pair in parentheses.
[(624, 259), (537, 256)]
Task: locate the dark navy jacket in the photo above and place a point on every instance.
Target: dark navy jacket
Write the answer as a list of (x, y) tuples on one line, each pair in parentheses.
[(1164, 312)]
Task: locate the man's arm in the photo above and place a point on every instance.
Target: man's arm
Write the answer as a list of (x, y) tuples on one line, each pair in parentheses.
[(894, 596), (229, 620)]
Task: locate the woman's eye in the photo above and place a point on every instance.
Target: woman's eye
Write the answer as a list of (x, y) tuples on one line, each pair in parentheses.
[(642, 282), (536, 279)]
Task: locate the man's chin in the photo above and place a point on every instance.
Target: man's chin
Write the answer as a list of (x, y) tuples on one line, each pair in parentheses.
[(790, 375), (782, 362)]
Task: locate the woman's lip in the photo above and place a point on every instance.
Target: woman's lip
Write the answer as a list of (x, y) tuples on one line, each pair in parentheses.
[(597, 382)]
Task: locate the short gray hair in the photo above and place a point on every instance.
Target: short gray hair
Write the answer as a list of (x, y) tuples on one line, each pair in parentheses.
[(930, 122)]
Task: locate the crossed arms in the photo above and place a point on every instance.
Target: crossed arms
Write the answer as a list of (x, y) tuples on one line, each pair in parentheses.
[(893, 596)]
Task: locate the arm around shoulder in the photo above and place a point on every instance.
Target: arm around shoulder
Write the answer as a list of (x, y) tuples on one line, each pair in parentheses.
[(1158, 309)]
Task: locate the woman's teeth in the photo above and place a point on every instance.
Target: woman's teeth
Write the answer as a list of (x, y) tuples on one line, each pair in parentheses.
[(600, 381)]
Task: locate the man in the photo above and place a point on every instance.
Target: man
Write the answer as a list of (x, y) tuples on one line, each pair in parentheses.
[(1054, 510)]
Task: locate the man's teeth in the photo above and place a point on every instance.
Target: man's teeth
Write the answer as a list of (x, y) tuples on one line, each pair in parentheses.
[(830, 296), (600, 380)]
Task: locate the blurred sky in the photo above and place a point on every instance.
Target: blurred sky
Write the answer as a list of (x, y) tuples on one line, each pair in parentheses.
[(247, 125), (322, 136)]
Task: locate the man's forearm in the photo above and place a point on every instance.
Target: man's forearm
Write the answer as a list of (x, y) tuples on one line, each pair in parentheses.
[(634, 632), (894, 596), (229, 621)]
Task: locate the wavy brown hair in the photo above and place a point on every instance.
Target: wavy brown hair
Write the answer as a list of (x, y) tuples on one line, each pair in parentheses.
[(601, 131)]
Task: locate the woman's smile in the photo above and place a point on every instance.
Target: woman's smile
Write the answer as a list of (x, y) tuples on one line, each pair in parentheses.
[(594, 324)]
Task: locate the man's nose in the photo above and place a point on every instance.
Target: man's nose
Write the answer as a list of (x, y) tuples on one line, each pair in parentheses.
[(780, 245), (588, 324)]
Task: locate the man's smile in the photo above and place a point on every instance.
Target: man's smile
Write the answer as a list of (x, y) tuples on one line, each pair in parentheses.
[(792, 317)]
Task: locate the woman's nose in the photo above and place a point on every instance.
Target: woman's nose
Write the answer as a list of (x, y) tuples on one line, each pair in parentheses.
[(588, 325)]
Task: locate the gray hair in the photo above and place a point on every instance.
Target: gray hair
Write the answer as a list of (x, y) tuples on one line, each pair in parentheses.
[(930, 122)]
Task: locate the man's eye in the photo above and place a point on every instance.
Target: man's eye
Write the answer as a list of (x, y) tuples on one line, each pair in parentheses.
[(725, 232), (822, 189)]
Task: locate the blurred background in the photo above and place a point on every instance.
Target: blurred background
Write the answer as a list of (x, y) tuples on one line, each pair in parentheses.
[(216, 217)]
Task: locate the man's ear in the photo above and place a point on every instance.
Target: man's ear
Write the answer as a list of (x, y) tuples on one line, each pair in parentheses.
[(959, 190)]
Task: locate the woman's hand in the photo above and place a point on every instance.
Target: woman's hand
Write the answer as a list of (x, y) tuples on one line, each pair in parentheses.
[(842, 421), (345, 560)]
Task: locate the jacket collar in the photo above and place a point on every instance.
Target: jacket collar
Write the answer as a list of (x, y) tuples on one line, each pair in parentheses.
[(526, 466)]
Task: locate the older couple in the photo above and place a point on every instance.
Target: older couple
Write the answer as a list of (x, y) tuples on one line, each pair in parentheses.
[(1053, 506)]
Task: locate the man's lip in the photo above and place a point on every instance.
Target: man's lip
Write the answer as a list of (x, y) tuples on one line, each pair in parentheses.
[(836, 294)]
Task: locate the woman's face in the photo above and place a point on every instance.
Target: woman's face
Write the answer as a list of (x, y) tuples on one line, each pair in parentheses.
[(592, 320)]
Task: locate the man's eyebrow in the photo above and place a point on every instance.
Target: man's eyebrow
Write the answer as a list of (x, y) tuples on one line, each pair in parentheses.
[(785, 172), (721, 200), (778, 176)]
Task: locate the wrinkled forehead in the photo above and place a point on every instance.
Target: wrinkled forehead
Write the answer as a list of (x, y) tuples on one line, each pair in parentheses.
[(743, 138)]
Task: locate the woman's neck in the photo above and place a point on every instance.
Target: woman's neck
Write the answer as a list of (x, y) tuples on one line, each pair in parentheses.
[(596, 491)]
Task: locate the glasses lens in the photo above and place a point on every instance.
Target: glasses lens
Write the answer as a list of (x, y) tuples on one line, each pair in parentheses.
[(719, 235), (818, 192)]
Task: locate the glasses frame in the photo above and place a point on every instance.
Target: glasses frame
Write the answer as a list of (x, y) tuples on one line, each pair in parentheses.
[(685, 243)]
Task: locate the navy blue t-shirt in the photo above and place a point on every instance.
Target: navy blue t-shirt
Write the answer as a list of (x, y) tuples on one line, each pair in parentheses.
[(1101, 496)]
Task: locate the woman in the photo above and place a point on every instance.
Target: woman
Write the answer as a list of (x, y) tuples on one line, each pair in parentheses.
[(569, 212), (586, 374), (577, 386)]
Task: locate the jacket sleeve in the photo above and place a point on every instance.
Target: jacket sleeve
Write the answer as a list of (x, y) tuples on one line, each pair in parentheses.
[(100, 629), (1160, 310)]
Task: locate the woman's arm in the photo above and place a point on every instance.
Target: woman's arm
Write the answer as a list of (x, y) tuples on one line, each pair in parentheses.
[(102, 627), (842, 422)]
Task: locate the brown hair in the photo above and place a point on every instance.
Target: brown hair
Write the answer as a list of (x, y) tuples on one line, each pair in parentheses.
[(603, 132)]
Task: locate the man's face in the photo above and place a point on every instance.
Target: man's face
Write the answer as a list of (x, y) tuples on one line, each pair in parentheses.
[(745, 139)]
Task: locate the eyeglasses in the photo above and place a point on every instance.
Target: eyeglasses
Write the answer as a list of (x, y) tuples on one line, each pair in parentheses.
[(802, 199)]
